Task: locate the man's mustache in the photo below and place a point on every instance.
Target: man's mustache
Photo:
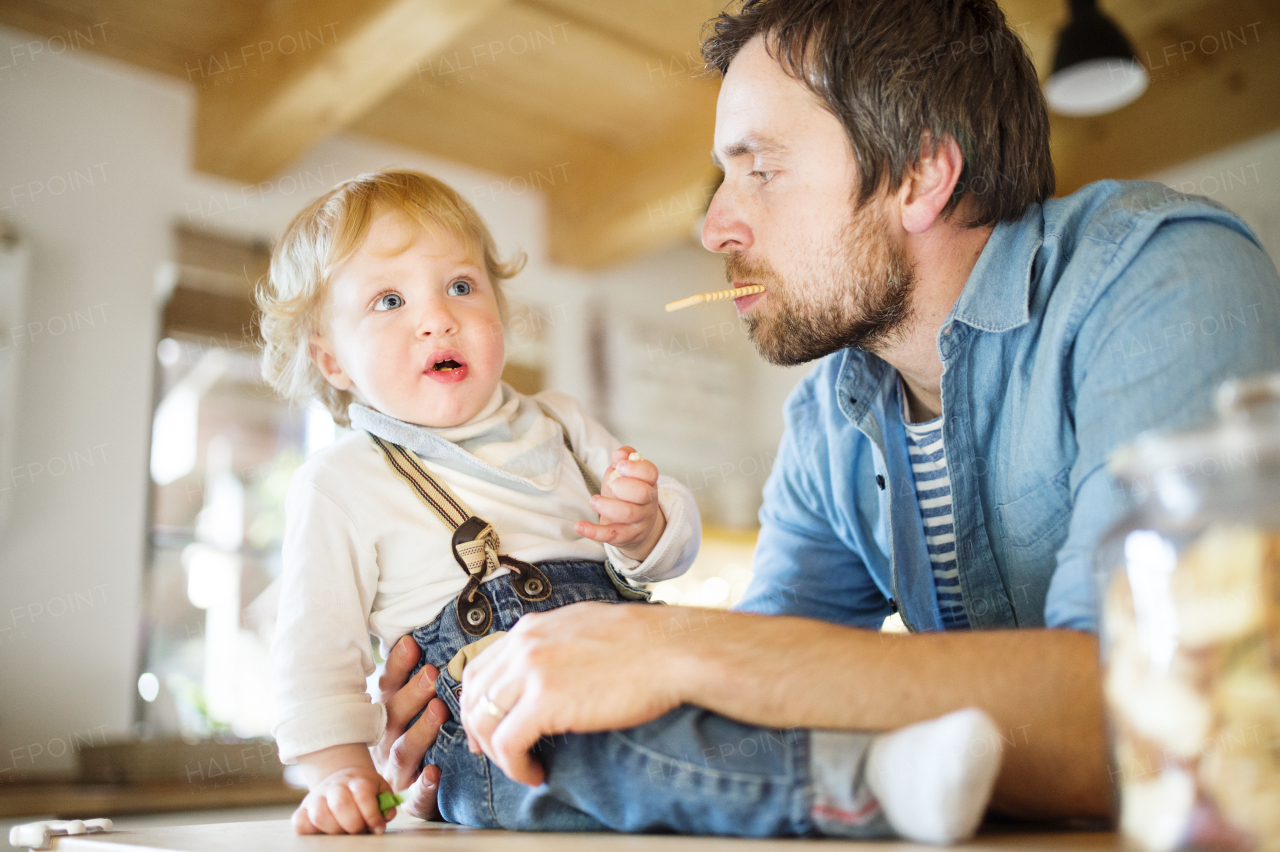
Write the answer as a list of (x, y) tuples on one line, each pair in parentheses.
[(739, 268)]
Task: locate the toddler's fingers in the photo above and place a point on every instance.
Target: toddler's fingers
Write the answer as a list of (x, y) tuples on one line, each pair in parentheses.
[(634, 491), (301, 824), (320, 816), (605, 533), (644, 470), (616, 511), (365, 792), (344, 809)]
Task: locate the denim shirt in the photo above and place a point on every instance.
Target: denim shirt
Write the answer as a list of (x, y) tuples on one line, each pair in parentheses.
[(1095, 317)]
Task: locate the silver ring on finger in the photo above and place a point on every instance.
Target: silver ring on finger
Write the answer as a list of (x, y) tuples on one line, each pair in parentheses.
[(491, 707)]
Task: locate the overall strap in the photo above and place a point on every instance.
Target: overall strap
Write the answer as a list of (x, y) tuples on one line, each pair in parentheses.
[(478, 554), (475, 542)]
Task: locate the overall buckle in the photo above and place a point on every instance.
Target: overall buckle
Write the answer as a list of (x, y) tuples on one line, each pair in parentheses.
[(475, 614), (529, 582)]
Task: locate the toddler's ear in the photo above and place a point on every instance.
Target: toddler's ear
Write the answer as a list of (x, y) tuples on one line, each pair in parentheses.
[(328, 364)]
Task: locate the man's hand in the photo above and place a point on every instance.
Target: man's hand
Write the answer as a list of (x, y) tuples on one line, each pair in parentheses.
[(593, 667), (581, 668), (630, 517), (398, 755)]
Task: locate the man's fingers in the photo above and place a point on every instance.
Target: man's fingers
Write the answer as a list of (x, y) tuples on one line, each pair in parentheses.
[(407, 753), (511, 741), (424, 731), (496, 685), (407, 703), (400, 662), (420, 798)]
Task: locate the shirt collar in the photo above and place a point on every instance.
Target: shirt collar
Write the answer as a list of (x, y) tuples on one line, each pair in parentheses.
[(997, 295), (864, 384)]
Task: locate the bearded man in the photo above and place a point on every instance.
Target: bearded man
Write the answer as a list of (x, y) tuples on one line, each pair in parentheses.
[(982, 347)]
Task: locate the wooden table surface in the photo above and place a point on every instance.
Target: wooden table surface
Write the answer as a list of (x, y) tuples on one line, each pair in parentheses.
[(69, 800), (409, 834)]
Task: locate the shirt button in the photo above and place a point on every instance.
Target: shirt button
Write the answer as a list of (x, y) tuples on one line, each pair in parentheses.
[(880, 481), (853, 400)]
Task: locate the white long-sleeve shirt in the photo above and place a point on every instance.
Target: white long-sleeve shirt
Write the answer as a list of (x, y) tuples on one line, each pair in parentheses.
[(363, 555)]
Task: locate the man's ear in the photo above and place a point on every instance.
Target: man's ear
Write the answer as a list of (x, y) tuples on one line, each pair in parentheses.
[(323, 356), (928, 185)]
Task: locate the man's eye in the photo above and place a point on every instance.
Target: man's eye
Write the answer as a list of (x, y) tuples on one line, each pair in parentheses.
[(764, 177), (388, 302), (460, 288)]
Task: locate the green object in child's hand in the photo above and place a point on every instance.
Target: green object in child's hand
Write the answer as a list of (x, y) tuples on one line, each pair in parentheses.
[(387, 801)]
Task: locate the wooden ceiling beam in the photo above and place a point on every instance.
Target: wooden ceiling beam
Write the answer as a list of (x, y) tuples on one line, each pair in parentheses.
[(158, 36), (311, 68), (618, 206), (453, 123)]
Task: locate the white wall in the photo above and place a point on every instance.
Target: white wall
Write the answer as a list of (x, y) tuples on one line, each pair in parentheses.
[(1244, 178), (70, 559)]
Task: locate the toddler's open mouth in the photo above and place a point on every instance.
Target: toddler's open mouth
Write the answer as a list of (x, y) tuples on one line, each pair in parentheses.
[(446, 367)]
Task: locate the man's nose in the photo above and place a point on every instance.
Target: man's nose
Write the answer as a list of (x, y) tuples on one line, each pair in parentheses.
[(724, 229)]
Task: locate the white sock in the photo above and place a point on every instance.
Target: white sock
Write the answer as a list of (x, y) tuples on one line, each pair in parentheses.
[(934, 779)]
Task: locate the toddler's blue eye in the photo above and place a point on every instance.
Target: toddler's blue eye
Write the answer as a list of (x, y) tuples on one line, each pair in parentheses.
[(460, 288), (389, 302)]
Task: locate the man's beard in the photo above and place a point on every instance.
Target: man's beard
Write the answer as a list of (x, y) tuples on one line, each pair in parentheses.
[(857, 294)]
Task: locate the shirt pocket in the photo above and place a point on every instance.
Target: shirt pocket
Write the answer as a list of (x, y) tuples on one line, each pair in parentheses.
[(1038, 514)]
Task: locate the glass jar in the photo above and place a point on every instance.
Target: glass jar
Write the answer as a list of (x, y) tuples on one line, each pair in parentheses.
[(1191, 630)]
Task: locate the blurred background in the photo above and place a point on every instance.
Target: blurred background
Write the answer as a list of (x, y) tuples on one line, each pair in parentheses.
[(153, 150)]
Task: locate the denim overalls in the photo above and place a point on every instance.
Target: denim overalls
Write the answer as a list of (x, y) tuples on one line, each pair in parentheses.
[(689, 771)]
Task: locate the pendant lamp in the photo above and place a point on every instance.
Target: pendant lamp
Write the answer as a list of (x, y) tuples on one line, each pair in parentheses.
[(1095, 69)]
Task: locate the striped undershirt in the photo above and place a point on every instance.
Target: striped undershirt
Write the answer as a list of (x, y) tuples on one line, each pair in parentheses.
[(933, 492)]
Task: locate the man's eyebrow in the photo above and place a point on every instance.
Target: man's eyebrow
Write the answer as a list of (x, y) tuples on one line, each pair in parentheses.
[(749, 145)]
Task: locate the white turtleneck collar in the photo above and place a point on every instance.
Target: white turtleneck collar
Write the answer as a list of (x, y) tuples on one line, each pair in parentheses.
[(511, 440)]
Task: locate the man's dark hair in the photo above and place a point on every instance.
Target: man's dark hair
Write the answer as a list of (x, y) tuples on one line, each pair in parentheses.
[(901, 75)]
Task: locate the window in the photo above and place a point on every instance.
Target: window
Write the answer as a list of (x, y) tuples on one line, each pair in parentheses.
[(223, 449)]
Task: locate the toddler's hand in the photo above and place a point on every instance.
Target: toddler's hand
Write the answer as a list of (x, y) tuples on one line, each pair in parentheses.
[(630, 517), (345, 802)]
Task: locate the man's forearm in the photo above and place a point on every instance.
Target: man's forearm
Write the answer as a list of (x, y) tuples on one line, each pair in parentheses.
[(1042, 687)]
